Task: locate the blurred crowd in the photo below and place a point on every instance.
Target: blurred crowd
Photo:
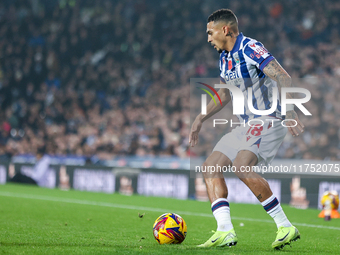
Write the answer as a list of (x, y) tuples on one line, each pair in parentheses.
[(112, 78)]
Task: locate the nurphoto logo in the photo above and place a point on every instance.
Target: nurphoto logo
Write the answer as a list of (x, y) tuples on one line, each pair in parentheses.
[(239, 101)]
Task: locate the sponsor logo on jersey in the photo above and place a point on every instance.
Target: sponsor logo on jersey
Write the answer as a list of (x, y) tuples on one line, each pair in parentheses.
[(229, 76), (258, 50)]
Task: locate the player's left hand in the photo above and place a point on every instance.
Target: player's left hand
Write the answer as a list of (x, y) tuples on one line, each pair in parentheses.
[(296, 127)]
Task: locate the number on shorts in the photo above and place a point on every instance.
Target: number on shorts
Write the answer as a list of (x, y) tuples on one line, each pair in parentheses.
[(255, 130)]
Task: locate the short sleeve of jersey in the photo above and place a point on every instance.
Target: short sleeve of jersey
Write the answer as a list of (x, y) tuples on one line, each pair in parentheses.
[(257, 54)]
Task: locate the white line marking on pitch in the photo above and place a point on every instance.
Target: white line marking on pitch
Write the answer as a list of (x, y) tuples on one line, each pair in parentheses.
[(141, 208)]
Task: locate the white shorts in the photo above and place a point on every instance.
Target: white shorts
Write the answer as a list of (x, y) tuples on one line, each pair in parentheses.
[(262, 141)]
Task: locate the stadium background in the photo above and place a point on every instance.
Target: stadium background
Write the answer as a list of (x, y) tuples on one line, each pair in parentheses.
[(106, 83)]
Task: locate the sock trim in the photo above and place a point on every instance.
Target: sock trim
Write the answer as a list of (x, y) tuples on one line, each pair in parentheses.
[(268, 200), (219, 205), (271, 205)]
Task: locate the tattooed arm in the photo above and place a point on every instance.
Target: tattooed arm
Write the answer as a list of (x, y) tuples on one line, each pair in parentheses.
[(276, 72)]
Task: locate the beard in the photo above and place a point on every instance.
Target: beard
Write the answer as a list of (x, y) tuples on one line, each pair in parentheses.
[(217, 49)]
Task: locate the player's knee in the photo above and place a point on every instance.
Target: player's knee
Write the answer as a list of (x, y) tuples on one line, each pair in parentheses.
[(208, 167), (243, 172), (211, 170)]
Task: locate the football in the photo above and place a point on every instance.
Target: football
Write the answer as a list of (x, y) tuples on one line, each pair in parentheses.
[(169, 228), (330, 198)]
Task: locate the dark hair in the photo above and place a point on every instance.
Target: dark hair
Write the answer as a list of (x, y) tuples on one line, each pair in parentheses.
[(225, 15), (41, 150)]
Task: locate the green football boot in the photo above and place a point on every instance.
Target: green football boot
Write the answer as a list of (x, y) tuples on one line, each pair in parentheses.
[(221, 238), (285, 235)]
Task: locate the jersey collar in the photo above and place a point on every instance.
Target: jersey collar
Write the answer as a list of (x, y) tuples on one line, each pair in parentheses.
[(237, 43)]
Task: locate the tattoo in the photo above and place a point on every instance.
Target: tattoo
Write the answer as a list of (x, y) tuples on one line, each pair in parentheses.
[(291, 115), (230, 34), (259, 197), (276, 72)]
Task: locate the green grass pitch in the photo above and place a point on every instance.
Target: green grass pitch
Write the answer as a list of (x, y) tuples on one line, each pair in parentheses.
[(42, 221)]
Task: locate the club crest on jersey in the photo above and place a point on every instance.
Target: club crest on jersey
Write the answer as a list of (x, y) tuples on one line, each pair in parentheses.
[(236, 57)]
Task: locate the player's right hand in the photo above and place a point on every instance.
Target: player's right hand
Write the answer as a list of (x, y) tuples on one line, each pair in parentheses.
[(195, 129), (294, 128)]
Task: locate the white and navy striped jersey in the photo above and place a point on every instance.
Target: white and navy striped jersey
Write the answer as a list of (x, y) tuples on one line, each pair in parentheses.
[(243, 67)]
